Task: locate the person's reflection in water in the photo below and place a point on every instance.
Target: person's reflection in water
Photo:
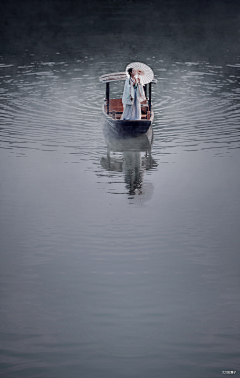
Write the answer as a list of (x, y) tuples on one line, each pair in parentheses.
[(134, 167), (132, 156), (133, 170)]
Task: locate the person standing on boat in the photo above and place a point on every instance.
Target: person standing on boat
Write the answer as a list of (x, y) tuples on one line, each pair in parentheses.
[(133, 95)]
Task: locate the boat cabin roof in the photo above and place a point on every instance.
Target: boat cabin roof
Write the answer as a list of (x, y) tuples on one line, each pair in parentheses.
[(107, 78)]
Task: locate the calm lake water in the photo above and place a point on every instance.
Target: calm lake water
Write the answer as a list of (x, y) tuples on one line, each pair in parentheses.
[(119, 257)]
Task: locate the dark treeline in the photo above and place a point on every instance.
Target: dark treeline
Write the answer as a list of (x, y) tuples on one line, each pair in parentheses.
[(183, 29)]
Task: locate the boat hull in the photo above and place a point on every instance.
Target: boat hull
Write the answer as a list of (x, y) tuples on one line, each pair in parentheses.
[(129, 127)]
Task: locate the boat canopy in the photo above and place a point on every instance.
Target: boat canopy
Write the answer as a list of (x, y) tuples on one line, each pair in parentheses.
[(117, 76)]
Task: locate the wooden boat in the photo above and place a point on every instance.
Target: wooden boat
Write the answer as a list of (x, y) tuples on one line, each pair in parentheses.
[(113, 108)]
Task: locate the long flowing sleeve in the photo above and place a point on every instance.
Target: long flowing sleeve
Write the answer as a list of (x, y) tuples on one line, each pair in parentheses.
[(128, 94), (140, 93)]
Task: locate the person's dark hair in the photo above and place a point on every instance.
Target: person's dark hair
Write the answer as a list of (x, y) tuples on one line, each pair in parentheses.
[(130, 71)]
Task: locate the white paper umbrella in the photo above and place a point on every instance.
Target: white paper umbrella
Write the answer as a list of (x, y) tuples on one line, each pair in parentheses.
[(144, 72)]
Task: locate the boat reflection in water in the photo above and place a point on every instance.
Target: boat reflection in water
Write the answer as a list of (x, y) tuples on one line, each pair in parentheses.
[(132, 156)]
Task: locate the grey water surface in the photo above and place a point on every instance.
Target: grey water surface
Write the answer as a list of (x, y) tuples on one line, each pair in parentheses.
[(119, 256)]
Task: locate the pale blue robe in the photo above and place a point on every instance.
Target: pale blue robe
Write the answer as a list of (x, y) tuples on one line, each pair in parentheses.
[(132, 108)]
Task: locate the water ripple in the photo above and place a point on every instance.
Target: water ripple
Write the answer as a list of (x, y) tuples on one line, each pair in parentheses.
[(196, 106)]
